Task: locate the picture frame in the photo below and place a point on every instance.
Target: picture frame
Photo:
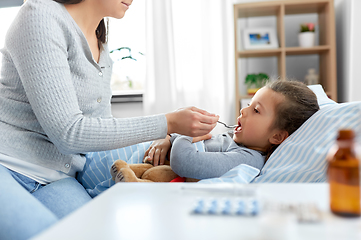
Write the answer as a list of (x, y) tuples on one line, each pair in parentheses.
[(259, 38)]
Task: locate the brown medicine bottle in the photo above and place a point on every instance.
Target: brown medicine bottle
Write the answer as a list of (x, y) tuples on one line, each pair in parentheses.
[(344, 176)]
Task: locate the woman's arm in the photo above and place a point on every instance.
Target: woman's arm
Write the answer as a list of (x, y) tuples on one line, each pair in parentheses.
[(57, 77), (39, 44), (186, 161)]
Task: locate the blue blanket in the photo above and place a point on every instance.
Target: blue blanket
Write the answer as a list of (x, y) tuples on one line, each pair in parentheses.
[(96, 176)]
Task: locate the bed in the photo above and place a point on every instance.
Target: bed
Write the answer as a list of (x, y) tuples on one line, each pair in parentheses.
[(301, 158)]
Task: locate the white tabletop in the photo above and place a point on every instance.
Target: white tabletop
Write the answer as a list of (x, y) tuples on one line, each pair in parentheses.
[(164, 211)]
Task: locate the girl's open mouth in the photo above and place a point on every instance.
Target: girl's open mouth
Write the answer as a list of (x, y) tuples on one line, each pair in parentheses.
[(238, 128)]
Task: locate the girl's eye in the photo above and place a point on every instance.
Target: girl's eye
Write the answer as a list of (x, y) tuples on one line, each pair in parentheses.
[(256, 111)]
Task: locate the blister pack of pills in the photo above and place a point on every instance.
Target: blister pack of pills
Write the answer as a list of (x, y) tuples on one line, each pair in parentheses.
[(226, 206)]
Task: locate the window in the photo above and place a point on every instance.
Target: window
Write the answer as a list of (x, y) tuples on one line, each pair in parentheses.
[(7, 16), (126, 41)]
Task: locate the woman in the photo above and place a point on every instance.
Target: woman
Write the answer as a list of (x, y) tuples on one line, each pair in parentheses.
[(55, 107)]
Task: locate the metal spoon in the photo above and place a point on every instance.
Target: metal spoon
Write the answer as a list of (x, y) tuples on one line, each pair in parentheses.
[(227, 126)]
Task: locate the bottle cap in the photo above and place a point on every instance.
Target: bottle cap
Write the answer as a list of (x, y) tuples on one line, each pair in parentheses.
[(345, 134)]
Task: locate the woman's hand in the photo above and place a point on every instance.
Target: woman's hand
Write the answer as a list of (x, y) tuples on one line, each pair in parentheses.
[(191, 122), (157, 151)]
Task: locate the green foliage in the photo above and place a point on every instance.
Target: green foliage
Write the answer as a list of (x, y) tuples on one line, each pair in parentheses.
[(128, 56), (256, 80), (307, 27), (124, 53)]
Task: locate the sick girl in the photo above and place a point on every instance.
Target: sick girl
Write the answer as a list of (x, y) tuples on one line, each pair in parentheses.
[(275, 112)]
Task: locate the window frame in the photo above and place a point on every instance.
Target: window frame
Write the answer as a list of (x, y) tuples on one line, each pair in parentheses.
[(124, 98), (11, 3)]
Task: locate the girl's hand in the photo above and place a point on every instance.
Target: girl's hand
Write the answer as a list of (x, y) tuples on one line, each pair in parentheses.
[(201, 138), (157, 151), (191, 122)]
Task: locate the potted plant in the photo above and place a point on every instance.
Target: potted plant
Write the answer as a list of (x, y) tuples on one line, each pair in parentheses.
[(306, 37), (122, 77), (255, 82)]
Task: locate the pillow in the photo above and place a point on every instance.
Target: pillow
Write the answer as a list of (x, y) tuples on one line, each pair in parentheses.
[(322, 98), (301, 158)]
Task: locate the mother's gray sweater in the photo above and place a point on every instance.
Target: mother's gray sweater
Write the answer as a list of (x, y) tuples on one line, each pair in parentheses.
[(55, 99)]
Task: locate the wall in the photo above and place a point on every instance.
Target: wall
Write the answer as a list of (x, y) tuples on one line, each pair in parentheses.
[(124, 110), (354, 86), (343, 22), (348, 34)]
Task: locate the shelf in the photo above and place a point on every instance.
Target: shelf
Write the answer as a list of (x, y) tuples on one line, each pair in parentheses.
[(249, 10), (287, 50), (307, 6), (260, 9), (260, 52), (306, 51), (246, 15), (245, 96)]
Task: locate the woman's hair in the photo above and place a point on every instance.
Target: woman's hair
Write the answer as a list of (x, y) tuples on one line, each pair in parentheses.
[(101, 31), (299, 105)]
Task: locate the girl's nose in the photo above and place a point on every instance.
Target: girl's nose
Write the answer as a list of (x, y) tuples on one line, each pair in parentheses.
[(242, 111)]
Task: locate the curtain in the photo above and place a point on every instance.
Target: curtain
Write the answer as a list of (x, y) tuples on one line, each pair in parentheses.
[(190, 57)]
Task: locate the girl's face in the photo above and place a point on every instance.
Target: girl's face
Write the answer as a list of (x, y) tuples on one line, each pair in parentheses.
[(255, 122), (115, 8)]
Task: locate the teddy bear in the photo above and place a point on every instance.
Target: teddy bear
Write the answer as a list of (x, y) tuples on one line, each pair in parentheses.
[(121, 171)]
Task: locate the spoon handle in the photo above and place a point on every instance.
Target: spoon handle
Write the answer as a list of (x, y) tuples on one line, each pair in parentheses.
[(227, 126)]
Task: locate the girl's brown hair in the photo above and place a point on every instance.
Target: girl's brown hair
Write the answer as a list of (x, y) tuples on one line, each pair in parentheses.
[(101, 31), (299, 105)]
